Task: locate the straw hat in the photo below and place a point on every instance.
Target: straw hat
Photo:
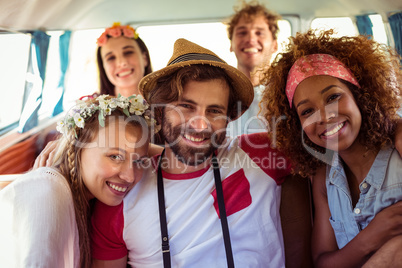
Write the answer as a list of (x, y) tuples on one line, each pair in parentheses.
[(186, 53)]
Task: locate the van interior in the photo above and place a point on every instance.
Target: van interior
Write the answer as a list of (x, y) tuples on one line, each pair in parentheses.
[(38, 85)]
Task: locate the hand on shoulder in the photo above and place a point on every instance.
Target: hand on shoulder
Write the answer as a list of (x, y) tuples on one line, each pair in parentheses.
[(45, 158)]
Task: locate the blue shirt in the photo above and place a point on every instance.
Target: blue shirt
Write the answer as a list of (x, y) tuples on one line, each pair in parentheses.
[(381, 188)]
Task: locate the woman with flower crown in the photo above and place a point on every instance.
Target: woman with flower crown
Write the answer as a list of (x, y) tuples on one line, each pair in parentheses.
[(123, 59), (101, 155)]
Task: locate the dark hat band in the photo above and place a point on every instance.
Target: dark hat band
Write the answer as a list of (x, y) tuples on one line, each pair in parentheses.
[(195, 56)]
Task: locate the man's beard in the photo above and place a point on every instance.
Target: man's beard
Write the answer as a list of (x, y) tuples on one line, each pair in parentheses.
[(191, 156)]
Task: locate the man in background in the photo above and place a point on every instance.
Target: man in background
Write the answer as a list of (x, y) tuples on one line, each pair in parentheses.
[(252, 31)]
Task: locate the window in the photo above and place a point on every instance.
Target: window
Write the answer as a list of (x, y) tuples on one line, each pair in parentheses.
[(82, 74), (14, 53), (379, 33), (285, 31), (160, 40), (14, 75), (344, 26), (213, 36)]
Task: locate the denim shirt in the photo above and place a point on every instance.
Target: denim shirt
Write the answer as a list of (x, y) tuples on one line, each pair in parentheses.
[(381, 188)]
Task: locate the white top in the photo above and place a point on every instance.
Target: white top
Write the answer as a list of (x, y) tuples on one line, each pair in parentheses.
[(251, 176), (37, 226), (251, 121)]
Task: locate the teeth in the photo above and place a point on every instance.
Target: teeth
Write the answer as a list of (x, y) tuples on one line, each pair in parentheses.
[(251, 50), (191, 138), (333, 131), (118, 188), (124, 73)]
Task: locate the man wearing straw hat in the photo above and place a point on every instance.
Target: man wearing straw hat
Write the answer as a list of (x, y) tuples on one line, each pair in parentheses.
[(208, 200)]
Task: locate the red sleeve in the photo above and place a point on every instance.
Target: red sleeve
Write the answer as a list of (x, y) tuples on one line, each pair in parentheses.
[(107, 232), (258, 147)]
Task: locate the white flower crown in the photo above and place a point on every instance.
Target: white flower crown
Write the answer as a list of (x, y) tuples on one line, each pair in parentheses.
[(133, 105)]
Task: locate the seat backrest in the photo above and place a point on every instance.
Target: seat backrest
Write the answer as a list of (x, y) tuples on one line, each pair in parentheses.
[(20, 157), (296, 218)]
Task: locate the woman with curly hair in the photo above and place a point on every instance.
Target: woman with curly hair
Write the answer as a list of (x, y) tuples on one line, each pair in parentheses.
[(334, 103), (46, 212)]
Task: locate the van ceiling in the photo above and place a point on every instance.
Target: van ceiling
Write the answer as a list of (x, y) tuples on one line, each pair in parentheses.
[(87, 14)]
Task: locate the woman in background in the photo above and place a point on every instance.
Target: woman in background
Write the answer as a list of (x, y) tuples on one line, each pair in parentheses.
[(123, 60)]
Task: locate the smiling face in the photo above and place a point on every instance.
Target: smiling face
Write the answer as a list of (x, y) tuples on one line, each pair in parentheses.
[(328, 112), (113, 166), (195, 125), (253, 43), (124, 64)]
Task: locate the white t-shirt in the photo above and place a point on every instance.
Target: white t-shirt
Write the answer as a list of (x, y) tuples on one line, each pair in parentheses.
[(251, 121), (251, 174), (37, 225)]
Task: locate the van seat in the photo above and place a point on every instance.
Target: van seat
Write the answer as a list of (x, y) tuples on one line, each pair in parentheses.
[(19, 157), (296, 217)]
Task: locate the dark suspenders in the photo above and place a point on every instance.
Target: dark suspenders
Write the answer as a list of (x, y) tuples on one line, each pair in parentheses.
[(222, 213)]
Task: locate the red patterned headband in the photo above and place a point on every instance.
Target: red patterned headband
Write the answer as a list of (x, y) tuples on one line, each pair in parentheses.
[(115, 31), (316, 64)]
